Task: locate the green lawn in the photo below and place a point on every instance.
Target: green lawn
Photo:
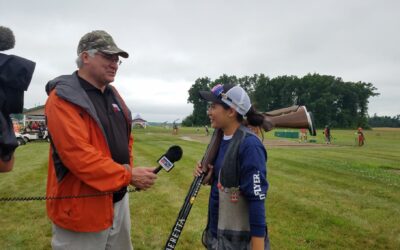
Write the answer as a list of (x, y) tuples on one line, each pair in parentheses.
[(341, 197)]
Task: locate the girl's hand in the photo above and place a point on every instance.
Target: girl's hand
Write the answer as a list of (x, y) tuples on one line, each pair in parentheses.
[(199, 171)]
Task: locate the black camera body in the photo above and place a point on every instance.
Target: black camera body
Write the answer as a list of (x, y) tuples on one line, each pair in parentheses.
[(15, 76)]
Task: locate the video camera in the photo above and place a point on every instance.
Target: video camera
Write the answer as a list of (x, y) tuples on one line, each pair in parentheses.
[(15, 76)]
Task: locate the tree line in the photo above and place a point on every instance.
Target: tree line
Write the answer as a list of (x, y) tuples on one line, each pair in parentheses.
[(333, 101), (384, 121)]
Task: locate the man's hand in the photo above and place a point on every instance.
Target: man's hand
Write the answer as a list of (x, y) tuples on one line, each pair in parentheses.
[(143, 177)]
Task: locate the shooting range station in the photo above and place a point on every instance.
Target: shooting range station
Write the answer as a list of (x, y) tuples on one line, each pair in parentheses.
[(287, 134)]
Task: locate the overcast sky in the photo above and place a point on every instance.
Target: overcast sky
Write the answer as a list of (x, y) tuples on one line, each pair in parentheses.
[(172, 43)]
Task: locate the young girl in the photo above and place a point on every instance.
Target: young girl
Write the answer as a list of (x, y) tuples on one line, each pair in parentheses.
[(236, 213)]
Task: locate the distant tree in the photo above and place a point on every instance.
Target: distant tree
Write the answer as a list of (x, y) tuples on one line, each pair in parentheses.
[(384, 121), (188, 121), (199, 115)]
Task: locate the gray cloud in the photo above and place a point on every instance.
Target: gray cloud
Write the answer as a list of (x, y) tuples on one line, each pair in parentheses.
[(172, 43)]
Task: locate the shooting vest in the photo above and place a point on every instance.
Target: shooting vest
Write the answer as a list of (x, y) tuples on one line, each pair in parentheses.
[(233, 213)]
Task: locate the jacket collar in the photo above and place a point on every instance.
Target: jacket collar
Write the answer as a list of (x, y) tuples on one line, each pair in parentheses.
[(68, 88)]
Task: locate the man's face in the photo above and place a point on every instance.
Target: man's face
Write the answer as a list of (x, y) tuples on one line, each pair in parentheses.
[(102, 67)]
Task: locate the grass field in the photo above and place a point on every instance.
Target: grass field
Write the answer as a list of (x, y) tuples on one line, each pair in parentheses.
[(339, 197)]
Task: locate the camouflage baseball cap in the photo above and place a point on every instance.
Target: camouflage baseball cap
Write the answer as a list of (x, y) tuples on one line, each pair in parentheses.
[(102, 41)]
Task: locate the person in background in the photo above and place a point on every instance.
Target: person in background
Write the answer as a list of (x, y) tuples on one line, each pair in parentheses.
[(174, 128), (303, 135), (327, 134), (207, 131), (16, 127), (361, 137)]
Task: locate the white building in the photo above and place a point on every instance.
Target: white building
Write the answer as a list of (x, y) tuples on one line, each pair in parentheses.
[(139, 121)]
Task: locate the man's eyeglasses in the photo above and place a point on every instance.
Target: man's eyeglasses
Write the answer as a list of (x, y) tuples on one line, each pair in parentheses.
[(111, 58)]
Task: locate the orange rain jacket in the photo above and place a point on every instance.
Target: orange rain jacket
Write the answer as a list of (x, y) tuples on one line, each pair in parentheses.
[(84, 164)]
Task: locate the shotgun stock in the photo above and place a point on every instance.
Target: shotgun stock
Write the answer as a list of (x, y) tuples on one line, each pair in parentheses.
[(291, 117)]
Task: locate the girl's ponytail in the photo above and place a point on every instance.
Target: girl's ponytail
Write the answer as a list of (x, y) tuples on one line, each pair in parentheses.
[(255, 121), (254, 118)]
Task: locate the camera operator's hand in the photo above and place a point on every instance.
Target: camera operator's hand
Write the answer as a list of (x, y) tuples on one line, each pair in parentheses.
[(6, 166), (8, 143)]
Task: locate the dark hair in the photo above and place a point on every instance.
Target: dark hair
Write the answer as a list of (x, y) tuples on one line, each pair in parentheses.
[(254, 118)]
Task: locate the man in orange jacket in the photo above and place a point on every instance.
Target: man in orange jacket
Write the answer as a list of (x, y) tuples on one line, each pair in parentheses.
[(91, 151)]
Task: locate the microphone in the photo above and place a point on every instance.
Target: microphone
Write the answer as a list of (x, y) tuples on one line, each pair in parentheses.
[(7, 39), (167, 160)]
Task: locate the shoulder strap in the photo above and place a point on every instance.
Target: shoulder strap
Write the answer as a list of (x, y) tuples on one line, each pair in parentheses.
[(230, 171)]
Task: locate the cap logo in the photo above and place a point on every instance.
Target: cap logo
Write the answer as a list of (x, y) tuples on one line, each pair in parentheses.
[(217, 90)]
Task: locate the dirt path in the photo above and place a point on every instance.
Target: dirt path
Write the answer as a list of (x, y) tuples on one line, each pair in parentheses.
[(267, 142)]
